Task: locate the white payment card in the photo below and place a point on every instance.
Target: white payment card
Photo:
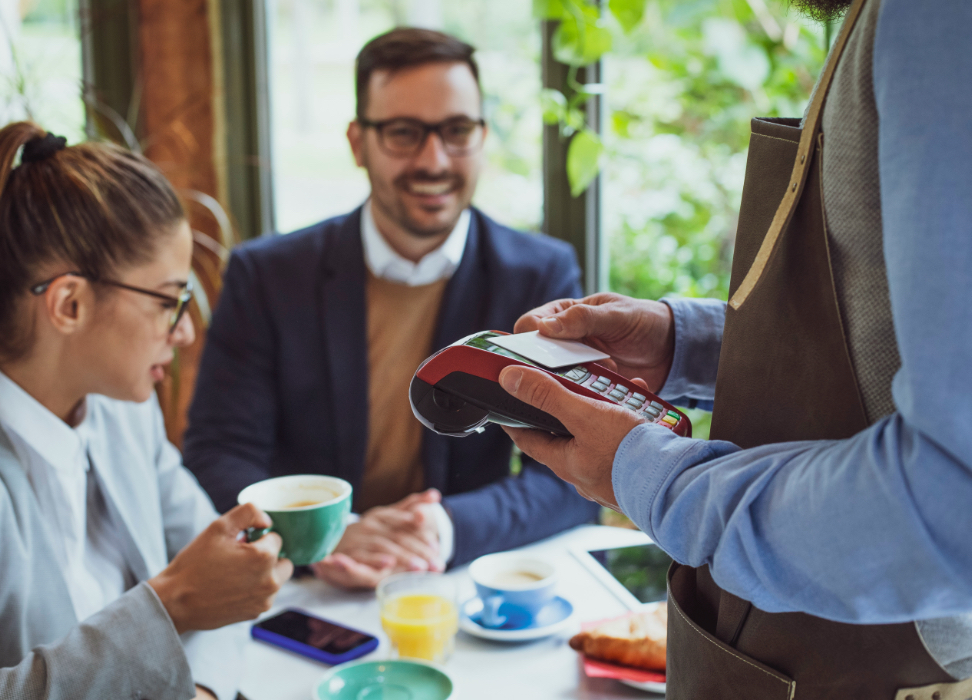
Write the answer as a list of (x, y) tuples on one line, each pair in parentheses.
[(549, 352)]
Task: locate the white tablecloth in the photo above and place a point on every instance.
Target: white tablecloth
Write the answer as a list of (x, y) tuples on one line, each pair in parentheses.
[(480, 670)]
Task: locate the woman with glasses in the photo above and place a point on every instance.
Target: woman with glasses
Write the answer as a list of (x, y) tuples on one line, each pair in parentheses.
[(112, 560)]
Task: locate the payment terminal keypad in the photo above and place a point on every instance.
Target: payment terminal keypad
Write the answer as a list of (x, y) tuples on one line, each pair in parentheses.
[(578, 374), (623, 395), (654, 411)]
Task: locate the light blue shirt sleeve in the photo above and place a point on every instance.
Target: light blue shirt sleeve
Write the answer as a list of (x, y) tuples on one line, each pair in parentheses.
[(876, 528), (698, 339)]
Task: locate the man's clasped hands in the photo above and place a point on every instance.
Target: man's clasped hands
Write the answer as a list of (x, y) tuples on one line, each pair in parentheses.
[(403, 536)]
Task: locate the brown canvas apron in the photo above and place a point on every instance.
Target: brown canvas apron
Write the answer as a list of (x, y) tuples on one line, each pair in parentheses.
[(785, 363)]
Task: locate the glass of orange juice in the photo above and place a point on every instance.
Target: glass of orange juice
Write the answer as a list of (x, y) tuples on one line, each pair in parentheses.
[(420, 615)]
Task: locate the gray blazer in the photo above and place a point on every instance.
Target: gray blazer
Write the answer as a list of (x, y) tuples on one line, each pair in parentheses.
[(129, 649)]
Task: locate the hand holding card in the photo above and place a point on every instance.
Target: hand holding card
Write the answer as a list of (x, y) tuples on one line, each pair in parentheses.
[(550, 352)]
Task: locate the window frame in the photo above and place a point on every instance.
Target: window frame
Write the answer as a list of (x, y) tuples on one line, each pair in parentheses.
[(576, 220), (109, 55), (109, 60), (247, 120)]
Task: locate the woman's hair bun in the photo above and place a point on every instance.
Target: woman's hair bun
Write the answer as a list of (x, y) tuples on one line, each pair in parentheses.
[(42, 147), (93, 206)]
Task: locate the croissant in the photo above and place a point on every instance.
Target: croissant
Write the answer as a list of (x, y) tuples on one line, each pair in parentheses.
[(638, 640)]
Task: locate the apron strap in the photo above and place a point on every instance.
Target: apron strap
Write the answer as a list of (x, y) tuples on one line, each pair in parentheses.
[(960, 690), (733, 612), (801, 166)]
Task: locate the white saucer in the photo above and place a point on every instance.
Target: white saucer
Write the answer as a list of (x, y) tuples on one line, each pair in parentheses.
[(650, 686), (559, 613)]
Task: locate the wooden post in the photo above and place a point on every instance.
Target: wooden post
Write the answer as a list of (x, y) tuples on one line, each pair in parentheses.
[(180, 75)]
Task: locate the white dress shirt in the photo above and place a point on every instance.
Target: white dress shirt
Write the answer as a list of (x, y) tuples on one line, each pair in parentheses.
[(436, 265), (87, 543), (384, 263)]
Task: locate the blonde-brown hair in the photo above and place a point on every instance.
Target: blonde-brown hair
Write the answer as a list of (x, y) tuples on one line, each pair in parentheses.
[(94, 206)]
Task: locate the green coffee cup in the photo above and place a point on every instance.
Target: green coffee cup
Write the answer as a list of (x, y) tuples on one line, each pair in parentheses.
[(309, 512)]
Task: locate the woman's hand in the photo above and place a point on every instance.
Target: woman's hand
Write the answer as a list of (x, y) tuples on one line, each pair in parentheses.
[(219, 579), (638, 334)]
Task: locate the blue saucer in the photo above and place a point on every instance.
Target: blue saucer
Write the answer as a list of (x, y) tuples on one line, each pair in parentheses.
[(520, 625), (514, 618)]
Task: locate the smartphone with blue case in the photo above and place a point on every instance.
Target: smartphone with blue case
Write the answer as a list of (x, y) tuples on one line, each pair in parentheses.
[(314, 637)]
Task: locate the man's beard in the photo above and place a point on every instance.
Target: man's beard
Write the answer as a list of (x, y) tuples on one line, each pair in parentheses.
[(457, 183), (822, 10)]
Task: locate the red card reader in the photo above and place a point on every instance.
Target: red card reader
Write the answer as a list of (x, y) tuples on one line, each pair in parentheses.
[(456, 391)]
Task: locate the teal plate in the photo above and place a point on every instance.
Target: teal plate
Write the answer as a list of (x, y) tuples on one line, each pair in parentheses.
[(384, 680)]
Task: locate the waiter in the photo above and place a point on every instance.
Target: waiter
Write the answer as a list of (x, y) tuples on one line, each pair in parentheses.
[(833, 506)]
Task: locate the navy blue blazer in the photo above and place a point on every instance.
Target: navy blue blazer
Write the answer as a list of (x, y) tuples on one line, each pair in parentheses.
[(283, 383)]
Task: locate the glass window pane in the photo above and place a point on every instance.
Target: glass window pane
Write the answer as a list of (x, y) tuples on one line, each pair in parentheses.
[(313, 44), (507, 39), (682, 89), (40, 65)]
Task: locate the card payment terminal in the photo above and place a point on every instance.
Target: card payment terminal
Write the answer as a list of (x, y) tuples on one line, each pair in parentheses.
[(456, 391)]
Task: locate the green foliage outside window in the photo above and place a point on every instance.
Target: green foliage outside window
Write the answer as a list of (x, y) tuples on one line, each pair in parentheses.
[(682, 80), (40, 65)]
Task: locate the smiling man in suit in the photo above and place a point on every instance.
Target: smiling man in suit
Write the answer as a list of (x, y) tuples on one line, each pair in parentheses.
[(318, 333)]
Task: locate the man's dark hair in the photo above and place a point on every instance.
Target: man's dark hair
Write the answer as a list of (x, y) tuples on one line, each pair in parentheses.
[(406, 47)]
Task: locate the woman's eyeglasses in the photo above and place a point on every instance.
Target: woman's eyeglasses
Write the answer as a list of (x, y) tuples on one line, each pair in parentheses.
[(403, 137), (179, 303)]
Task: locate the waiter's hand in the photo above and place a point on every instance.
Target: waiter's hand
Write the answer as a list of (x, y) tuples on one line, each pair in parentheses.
[(598, 427), (403, 536), (638, 334)]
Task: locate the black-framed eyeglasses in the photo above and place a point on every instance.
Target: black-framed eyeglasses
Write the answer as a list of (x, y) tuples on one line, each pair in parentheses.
[(404, 137), (179, 303)]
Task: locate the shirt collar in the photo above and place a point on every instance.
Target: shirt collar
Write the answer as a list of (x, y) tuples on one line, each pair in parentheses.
[(385, 263), (51, 438)]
